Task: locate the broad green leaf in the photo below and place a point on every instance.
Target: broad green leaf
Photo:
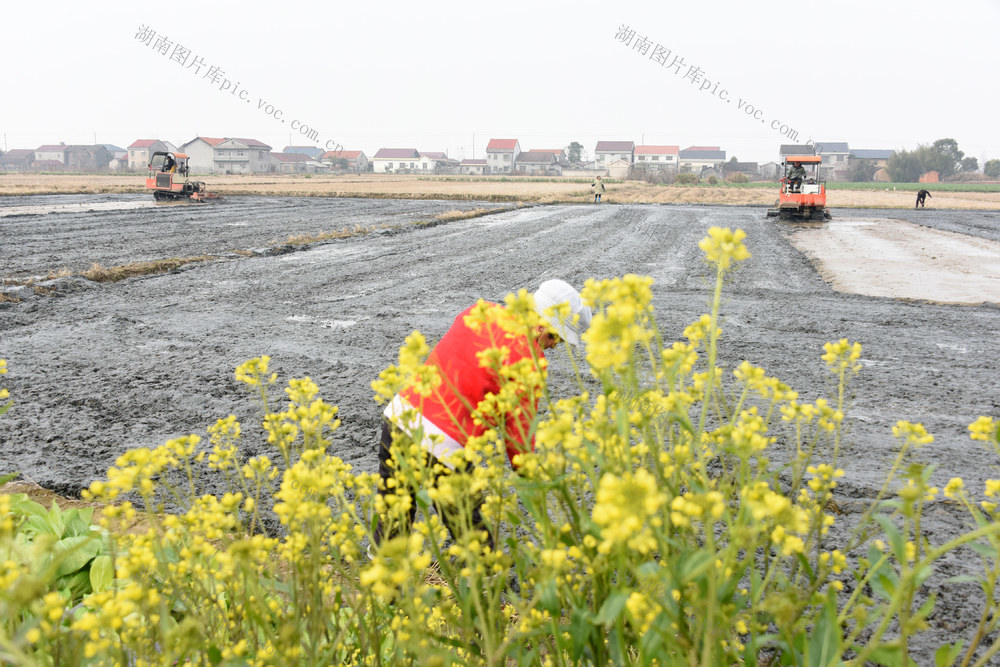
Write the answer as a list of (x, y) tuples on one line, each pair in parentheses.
[(101, 574), (73, 553), (895, 537), (8, 478), (612, 606), (825, 643)]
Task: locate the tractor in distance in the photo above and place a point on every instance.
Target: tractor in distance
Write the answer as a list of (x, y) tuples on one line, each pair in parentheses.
[(168, 179), (802, 195)]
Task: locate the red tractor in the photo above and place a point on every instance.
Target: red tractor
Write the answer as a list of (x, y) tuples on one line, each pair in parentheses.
[(803, 194), (168, 179)]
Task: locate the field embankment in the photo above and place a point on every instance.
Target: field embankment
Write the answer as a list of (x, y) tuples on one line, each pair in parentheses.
[(541, 190)]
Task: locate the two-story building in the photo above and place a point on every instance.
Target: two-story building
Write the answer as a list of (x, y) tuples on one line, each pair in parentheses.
[(835, 156), (50, 153), (655, 158), (559, 153), (140, 150), (237, 155), (201, 153), (501, 155), (607, 152), (696, 159), (87, 158)]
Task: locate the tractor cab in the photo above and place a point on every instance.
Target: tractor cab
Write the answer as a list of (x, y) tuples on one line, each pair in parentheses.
[(166, 162), (803, 194)]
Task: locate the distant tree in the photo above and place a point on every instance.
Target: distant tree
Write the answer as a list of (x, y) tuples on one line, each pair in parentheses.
[(573, 152), (734, 159), (992, 168), (970, 164), (861, 170), (952, 162), (904, 167), (341, 163)]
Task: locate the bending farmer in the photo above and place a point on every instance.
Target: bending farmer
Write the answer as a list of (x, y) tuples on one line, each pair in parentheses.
[(442, 421)]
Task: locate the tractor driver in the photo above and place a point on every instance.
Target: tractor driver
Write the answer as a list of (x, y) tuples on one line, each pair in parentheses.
[(168, 163), (795, 176)]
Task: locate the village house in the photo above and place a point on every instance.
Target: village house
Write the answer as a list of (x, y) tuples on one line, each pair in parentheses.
[(879, 157), (501, 155), (201, 153), (748, 169), (789, 150), (560, 154), (394, 160), (357, 161), (297, 163), (770, 171), (87, 158), (538, 162), (698, 158), (654, 158), (607, 152), (618, 168), (242, 156), (835, 156), (50, 153), (141, 150), (313, 152), (472, 166), (17, 159)]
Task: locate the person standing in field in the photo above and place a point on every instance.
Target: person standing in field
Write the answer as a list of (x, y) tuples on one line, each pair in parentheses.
[(921, 196), (443, 421), (598, 186)]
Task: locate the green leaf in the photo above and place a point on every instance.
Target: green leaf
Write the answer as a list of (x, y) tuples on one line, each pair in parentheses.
[(101, 574), (580, 631), (947, 654), (895, 537), (73, 553), (984, 550), (825, 643), (8, 478), (214, 655), (696, 565), (889, 656), (612, 606), (548, 598)]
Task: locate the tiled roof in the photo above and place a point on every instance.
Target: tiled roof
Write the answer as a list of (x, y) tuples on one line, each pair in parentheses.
[(540, 157), (347, 155), (796, 149), (614, 146), (52, 147), (688, 154), (501, 144), (251, 142), (871, 153), (291, 157), (657, 150), (434, 155), (396, 153), (143, 143), (832, 147), (472, 162), (703, 148), (211, 141), (18, 153), (554, 151)]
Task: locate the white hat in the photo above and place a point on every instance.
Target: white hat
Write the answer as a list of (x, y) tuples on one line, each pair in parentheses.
[(553, 292)]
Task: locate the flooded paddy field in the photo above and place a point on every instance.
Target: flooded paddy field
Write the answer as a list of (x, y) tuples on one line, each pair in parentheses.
[(98, 368)]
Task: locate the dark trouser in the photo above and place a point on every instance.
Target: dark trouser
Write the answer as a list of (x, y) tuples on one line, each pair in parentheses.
[(920, 201), (386, 471)]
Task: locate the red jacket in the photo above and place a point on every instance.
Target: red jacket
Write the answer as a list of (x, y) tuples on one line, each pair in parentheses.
[(464, 383)]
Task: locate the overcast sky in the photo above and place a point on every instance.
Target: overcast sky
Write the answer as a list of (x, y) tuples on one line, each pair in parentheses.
[(448, 76)]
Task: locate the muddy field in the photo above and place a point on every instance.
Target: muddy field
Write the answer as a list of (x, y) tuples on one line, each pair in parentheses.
[(95, 369)]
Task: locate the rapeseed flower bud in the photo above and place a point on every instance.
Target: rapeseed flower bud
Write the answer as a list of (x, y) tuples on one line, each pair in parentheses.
[(912, 434), (842, 355), (254, 372), (954, 487)]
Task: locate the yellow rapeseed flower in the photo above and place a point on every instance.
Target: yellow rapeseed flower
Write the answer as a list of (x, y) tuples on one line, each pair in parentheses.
[(984, 428), (722, 246)]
